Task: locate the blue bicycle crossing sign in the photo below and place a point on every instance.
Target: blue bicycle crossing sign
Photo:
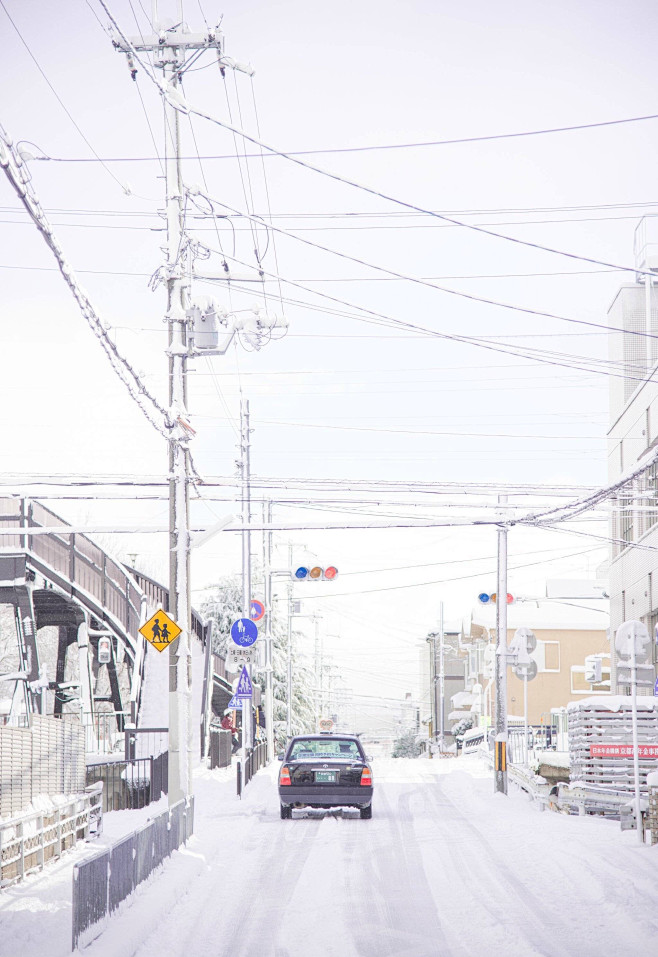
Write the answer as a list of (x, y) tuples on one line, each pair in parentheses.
[(244, 632)]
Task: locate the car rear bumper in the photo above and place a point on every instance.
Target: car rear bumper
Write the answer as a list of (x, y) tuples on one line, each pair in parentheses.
[(326, 796)]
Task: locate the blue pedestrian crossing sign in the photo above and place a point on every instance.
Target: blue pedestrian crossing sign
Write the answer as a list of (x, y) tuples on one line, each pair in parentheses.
[(244, 687), (244, 632), (235, 703)]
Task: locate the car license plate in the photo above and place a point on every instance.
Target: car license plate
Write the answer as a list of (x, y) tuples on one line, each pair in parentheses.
[(325, 777)]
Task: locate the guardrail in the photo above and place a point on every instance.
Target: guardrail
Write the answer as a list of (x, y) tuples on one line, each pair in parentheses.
[(103, 881), (256, 758), (28, 842)]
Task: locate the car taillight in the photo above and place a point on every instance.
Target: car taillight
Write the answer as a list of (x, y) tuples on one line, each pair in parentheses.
[(284, 777), (366, 777)]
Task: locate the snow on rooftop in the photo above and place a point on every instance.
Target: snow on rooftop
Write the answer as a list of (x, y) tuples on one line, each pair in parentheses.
[(613, 703)]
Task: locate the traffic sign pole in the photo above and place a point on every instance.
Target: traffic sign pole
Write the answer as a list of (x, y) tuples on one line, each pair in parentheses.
[(636, 756), (632, 640), (500, 763), (269, 674)]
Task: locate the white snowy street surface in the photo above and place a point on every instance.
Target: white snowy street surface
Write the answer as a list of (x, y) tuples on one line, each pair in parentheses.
[(444, 868)]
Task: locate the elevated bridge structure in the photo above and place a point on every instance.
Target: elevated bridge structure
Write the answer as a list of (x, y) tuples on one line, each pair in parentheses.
[(65, 580)]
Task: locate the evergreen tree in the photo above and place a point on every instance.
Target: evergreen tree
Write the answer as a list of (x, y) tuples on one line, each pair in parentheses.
[(406, 746), (224, 606)]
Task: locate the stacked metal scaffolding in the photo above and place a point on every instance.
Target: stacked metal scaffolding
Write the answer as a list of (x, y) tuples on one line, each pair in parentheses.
[(601, 742)]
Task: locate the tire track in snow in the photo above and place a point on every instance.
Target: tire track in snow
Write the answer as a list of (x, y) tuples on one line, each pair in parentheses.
[(544, 929), (394, 911), (234, 906)]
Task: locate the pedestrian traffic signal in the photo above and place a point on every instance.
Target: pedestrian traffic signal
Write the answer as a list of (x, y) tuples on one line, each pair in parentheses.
[(316, 573), (491, 597)]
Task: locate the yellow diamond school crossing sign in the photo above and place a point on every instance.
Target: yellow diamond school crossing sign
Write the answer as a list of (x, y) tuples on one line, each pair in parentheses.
[(160, 630)]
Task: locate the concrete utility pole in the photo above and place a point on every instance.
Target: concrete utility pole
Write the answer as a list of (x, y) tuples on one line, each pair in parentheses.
[(245, 470), (442, 686), (289, 652), (170, 48), (178, 299), (269, 663), (500, 745)]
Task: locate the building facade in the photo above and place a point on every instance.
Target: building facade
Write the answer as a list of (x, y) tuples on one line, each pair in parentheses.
[(632, 442)]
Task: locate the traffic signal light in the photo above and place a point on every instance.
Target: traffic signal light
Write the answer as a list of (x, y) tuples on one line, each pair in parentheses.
[(491, 597), (316, 573), (522, 646), (593, 669)]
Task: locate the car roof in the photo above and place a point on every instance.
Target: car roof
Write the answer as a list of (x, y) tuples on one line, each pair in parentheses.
[(323, 736)]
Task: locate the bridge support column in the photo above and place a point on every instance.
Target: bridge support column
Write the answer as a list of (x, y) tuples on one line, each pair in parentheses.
[(86, 677), (26, 629)]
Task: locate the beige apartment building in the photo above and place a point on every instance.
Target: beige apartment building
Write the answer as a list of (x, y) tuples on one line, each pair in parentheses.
[(567, 633)]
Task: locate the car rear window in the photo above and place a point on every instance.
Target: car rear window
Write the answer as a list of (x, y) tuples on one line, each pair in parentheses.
[(318, 747)]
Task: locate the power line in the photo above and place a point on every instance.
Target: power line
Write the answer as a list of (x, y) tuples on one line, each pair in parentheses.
[(394, 146), (185, 108), (59, 99), (453, 292)]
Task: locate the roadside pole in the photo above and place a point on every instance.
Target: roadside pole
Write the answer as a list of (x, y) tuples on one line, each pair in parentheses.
[(269, 665), (289, 652), (500, 742), (442, 688), (636, 756), (247, 718), (245, 471), (178, 296), (431, 641)]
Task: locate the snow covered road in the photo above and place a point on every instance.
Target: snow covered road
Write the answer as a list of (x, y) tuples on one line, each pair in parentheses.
[(444, 868)]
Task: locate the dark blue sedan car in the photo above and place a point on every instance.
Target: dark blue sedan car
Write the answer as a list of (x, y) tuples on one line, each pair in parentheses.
[(325, 770)]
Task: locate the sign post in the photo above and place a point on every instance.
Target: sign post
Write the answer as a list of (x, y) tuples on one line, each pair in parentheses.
[(632, 641)]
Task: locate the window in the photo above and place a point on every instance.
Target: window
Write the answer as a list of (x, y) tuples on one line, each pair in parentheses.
[(626, 519), (551, 656), (314, 748), (649, 499)]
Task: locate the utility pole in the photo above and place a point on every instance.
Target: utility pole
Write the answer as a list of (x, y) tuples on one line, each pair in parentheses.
[(441, 679), (269, 664), (169, 49), (245, 471), (317, 665), (289, 651), (500, 744)]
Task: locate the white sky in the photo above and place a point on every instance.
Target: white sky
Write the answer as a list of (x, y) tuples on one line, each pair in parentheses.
[(336, 76)]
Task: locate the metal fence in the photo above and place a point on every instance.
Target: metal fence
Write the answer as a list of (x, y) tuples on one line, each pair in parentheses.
[(540, 737), (46, 755), (28, 842), (104, 731), (220, 748), (256, 758), (103, 881), (131, 784)]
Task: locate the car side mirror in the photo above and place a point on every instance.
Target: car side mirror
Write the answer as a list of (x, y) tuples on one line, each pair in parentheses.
[(280, 756)]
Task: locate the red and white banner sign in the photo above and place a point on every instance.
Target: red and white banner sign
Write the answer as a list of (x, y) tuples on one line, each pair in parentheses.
[(622, 750)]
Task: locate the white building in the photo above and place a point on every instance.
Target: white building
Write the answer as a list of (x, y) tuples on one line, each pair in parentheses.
[(632, 439)]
